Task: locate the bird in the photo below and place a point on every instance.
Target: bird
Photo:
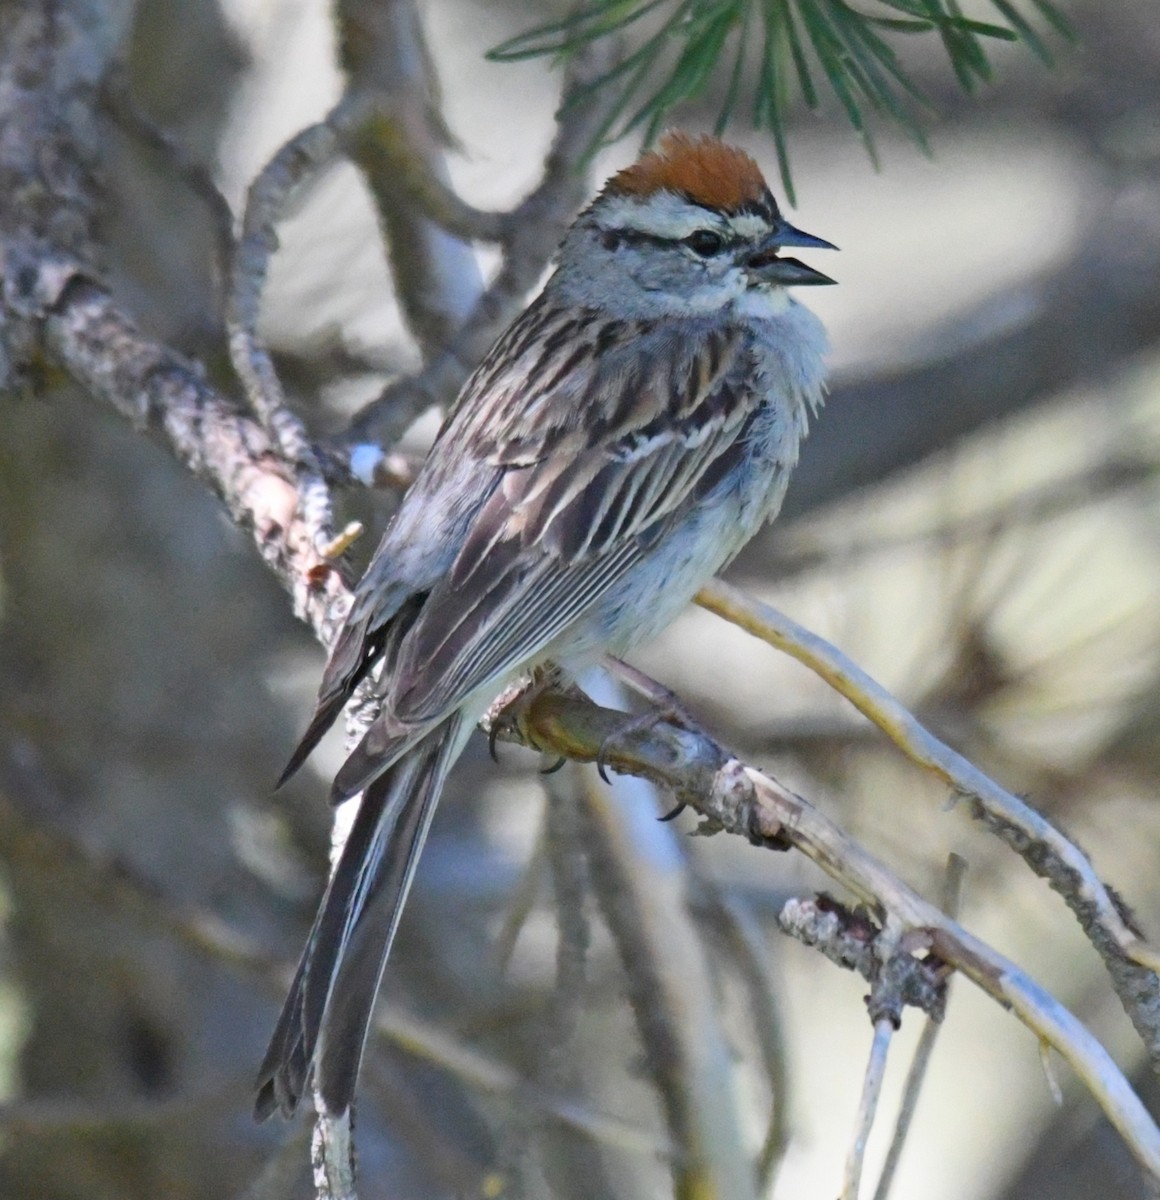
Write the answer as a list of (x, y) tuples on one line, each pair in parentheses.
[(626, 435)]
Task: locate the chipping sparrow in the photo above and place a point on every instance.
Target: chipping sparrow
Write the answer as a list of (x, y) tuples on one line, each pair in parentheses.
[(625, 437)]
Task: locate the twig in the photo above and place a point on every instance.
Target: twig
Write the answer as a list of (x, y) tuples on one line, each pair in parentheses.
[(332, 1155), (120, 105), (855, 940), (569, 880), (400, 151), (916, 1076), (297, 161), (1131, 962), (867, 1107), (742, 800), (531, 232)]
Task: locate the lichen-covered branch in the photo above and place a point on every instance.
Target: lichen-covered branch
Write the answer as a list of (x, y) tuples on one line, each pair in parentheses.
[(88, 335)]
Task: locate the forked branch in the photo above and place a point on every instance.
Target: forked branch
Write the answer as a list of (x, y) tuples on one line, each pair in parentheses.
[(739, 799)]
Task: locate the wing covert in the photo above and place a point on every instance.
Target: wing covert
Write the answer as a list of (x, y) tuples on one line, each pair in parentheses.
[(598, 462)]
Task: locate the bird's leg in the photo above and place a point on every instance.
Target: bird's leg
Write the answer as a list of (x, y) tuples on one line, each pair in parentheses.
[(507, 709), (670, 707), (667, 706)]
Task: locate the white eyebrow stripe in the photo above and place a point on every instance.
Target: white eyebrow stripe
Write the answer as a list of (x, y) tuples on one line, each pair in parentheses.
[(750, 226), (663, 214)]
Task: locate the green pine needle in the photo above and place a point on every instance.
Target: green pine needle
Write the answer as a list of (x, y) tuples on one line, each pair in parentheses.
[(689, 46)]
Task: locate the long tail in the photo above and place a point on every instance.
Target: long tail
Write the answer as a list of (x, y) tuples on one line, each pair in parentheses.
[(353, 655), (323, 1025)]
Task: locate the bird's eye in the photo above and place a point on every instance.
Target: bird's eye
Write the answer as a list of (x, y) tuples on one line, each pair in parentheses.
[(705, 242)]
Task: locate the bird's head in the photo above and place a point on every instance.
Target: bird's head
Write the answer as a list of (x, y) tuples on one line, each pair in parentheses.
[(690, 227)]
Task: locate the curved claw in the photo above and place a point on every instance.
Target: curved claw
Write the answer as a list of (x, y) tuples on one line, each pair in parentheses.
[(560, 762), (492, 734), (629, 725), (601, 759), (674, 812), (601, 766)]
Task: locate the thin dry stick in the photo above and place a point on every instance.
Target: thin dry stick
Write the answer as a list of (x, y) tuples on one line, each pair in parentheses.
[(1001, 807), (742, 937), (744, 801), (569, 882), (332, 1156), (867, 1107), (916, 1076), (529, 233), (296, 162), (643, 899), (117, 98)]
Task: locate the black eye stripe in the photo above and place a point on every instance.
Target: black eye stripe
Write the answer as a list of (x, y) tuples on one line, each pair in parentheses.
[(613, 239)]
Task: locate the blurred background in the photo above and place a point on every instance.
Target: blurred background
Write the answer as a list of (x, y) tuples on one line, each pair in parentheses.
[(974, 521)]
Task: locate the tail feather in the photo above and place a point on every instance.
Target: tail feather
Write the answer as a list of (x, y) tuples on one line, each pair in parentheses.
[(381, 746), (324, 1022), (354, 653)]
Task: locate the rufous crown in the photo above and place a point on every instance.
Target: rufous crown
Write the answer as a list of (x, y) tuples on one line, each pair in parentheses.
[(703, 170)]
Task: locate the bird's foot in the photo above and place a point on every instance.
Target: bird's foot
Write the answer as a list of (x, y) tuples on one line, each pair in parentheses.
[(634, 725), (507, 709)]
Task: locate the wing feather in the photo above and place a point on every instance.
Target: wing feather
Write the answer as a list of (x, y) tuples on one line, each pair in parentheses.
[(605, 440)]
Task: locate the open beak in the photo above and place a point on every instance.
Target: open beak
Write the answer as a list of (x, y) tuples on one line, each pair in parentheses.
[(765, 266)]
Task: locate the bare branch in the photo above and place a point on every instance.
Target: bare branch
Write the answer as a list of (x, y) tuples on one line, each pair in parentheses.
[(531, 233), (867, 1107), (742, 800), (294, 163), (1130, 961), (119, 103), (400, 151), (956, 869), (569, 882)]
